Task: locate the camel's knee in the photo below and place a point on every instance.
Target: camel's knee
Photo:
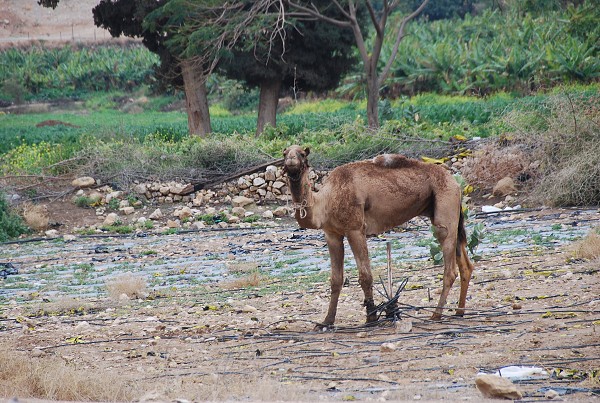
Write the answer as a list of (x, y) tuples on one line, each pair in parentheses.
[(365, 278), (336, 283)]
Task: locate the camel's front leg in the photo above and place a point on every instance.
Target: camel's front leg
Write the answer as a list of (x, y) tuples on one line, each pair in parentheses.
[(335, 244), (358, 243)]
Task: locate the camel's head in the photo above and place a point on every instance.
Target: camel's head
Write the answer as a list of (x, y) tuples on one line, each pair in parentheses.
[(295, 161)]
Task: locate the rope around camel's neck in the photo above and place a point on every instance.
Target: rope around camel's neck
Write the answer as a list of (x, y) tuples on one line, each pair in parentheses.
[(300, 190)]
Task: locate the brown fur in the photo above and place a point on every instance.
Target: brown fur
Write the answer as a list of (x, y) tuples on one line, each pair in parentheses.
[(373, 196)]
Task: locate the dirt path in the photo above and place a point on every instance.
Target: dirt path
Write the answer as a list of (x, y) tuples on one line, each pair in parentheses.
[(229, 315), (72, 21)]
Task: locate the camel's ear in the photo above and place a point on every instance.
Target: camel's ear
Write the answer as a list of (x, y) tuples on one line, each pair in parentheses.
[(307, 151), (285, 151)]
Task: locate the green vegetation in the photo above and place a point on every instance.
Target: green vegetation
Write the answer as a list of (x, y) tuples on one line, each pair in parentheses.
[(11, 224), (40, 73), (498, 51)]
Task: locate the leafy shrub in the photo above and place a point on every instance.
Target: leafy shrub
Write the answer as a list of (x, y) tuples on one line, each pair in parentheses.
[(32, 158), (11, 224), (50, 73)]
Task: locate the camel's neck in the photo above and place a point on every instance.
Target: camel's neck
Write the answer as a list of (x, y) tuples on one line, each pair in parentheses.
[(303, 201)]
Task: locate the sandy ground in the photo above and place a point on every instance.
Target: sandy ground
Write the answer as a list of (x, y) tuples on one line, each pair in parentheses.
[(71, 21), (231, 337)]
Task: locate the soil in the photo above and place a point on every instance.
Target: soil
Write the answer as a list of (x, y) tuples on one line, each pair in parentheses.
[(208, 327)]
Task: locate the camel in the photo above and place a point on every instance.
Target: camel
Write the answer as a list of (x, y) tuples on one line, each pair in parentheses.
[(370, 197)]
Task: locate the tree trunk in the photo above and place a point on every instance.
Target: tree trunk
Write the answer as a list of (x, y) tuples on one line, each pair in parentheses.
[(372, 103), (196, 100), (267, 106)]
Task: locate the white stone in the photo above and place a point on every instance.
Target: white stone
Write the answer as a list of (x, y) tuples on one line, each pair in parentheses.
[(52, 233), (271, 173), (258, 181), (267, 214), (278, 184), (83, 182)]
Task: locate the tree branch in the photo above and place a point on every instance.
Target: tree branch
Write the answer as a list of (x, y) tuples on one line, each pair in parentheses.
[(315, 13), (399, 37)]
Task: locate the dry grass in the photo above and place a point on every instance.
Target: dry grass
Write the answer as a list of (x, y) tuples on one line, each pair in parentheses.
[(588, 247), (215, 387), (129, 284), (51, 378), (64, 305), (566, 143), (36, 216), (253, 279)]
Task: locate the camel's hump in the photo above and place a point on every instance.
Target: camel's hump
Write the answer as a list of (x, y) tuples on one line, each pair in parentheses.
[(394, 161)]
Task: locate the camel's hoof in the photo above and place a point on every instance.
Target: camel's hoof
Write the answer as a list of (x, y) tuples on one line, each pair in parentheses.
[(459, 314), (323, 327), (436, 316), (372, 318)]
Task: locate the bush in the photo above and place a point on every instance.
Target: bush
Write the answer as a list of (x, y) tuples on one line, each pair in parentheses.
[(566, 147), (11, 224)]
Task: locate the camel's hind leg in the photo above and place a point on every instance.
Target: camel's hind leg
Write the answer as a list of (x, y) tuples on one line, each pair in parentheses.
[(447, 239), (335, 244), (465, 268), (358, 243)]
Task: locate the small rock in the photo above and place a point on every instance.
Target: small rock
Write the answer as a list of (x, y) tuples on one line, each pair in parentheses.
[(52, 233), (140, 189), (176, 189), (258, 181), (280, 211), (267, 214), (127, 210), (156, 215), (278, 185), (199, 225), (516, 306), (238, 211), (271, 173), (551, 394), (69, 237), (241, 201), (505, 186), (37, 352), (249, 309), (183, 213), (387, 347), (110, 219), (233, 219), (83, 182), (496, 387), (173, 223)]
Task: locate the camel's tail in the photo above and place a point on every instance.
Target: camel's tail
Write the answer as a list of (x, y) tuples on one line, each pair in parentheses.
[(462, 234)]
